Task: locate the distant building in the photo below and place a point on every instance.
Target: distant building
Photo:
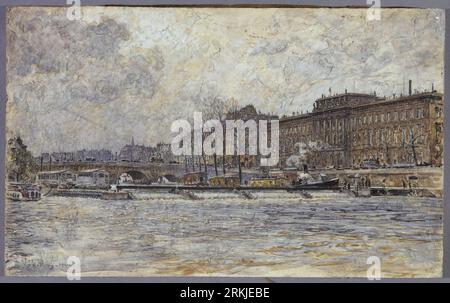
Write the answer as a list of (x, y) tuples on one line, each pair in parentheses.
[(61, 157), (346, 130), (136, 153), (92, 155)]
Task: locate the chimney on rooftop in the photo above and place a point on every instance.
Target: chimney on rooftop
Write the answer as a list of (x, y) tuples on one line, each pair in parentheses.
[(410, 87)]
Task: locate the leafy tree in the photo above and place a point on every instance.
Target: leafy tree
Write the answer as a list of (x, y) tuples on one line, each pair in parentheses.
[(20, 163)]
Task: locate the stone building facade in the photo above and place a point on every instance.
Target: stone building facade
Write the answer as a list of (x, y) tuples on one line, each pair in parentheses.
[(350, 129)]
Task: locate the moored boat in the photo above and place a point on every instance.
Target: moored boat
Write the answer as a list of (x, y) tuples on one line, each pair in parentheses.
[(23, 192), (307, 182)]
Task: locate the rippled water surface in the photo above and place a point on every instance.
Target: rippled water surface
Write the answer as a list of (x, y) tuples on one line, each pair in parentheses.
[(222, 234)]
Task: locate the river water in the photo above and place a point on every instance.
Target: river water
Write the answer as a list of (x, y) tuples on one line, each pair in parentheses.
[(223, 234)]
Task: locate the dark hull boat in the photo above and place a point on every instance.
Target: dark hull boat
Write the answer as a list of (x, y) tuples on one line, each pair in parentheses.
[(326, 184)]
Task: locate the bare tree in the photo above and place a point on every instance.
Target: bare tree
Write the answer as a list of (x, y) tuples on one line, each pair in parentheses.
[(213, 108), (215, 164), (217, 108), (231, 106), (414, 139), (438, 144)]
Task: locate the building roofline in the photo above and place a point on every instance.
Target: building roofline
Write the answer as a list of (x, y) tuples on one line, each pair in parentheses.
[(378, 102), (347, 94), (402, 98)]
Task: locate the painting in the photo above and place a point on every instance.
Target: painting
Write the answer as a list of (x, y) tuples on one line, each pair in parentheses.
[(224, 142)]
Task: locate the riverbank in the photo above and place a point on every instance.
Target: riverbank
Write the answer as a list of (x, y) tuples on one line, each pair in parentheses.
[(430, 178)]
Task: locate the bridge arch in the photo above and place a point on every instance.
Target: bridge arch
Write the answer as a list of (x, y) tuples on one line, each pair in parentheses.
[(137, 175)]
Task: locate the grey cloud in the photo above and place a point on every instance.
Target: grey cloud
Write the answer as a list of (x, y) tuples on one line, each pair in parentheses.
[(50, 46), (85, 55)]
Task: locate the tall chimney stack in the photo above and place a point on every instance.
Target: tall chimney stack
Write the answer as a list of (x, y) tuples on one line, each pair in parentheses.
[(410, 87)]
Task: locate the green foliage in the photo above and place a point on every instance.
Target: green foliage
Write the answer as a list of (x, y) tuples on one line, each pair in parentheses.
[(20, 164)]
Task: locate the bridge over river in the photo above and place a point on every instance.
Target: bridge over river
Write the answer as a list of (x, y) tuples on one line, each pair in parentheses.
[(144, 172)]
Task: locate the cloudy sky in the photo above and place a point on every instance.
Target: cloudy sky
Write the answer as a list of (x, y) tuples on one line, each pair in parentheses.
[(121, 72)]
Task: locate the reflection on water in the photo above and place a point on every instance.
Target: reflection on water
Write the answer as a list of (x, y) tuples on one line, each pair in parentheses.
[(278, 234)]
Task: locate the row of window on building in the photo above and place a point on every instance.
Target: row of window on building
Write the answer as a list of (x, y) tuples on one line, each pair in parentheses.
[(338, 124), (388, 117), (404, 136), (390, 136), (298, 129)]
